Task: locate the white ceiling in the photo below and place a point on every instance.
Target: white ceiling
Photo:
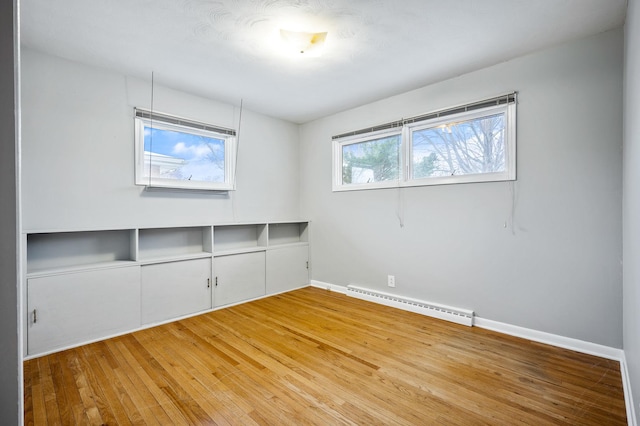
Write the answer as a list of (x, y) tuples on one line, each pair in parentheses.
[(224, 49)]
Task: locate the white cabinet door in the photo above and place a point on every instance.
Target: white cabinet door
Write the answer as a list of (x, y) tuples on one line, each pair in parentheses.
[(174, 289), (287, 268), (239, 277), (74, 308)]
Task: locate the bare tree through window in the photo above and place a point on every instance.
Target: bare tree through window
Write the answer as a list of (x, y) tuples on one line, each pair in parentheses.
[(459, 148)]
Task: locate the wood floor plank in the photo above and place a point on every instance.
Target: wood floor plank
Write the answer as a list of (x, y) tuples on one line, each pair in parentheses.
[(48, 389), (207, 372), (313, 357), (87, 404), (191, 411), (33, 396), (64, 405), (145, 393), (100, 400), (163, 408), (146, 406), (186, 374), (116, 398)]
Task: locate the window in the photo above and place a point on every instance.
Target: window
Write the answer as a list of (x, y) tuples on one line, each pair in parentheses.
[(473, 143), (173, 152), (371, 160)]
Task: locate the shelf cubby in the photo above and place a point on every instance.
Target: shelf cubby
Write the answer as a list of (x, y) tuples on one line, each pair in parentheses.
[(174, 243), (83, 249), (238, 238), (288, 233)]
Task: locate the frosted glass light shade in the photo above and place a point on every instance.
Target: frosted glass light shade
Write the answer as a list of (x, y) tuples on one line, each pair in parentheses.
[(303, 43)]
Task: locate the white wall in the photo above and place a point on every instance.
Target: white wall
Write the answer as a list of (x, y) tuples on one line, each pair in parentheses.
[(631, 199), (78, 154), (10, 393), (556, 267)]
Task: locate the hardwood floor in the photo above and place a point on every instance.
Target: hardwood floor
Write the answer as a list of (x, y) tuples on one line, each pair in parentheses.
[(316, 357)]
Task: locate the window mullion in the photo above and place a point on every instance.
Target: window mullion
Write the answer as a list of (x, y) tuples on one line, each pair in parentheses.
[(406, 155)]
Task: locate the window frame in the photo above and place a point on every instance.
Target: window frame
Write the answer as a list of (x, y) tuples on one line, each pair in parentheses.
[(406, 128), (509, 147), (188, 127), (339, 185)]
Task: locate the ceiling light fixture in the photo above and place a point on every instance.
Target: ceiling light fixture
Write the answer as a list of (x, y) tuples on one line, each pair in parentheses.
[(305, 44)]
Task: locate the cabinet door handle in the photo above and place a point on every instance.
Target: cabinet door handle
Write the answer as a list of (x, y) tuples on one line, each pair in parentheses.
[(307, 264), (35, 316), (208, 282), (216, 281)]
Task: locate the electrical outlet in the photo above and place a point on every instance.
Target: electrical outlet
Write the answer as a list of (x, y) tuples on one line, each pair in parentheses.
[(391, 280)]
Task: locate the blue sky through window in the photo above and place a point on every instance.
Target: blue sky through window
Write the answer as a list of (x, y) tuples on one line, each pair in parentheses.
[(185, 156)]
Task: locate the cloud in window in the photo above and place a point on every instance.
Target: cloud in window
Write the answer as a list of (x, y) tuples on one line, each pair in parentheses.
[(196, 152)]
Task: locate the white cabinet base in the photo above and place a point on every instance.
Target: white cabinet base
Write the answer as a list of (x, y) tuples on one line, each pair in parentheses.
[(287, 268), (69, 309), (175, 289), (239, 277)]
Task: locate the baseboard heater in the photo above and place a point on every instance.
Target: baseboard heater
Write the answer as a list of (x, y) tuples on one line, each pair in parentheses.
[(457, 315)]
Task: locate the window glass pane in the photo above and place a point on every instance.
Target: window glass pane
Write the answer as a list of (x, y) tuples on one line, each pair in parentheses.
[(459, 148), (371, 161), (171, 154)]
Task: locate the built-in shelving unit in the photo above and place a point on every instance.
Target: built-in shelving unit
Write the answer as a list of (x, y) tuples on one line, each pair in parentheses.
[(87, 285)]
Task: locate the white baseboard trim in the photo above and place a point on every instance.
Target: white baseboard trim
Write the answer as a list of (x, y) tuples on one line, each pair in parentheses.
[(328, 286), (551, 339), (546, 338), (628, 399)]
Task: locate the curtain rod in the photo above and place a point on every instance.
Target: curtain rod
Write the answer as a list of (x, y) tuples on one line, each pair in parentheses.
[(495, 101), (172, 119)]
